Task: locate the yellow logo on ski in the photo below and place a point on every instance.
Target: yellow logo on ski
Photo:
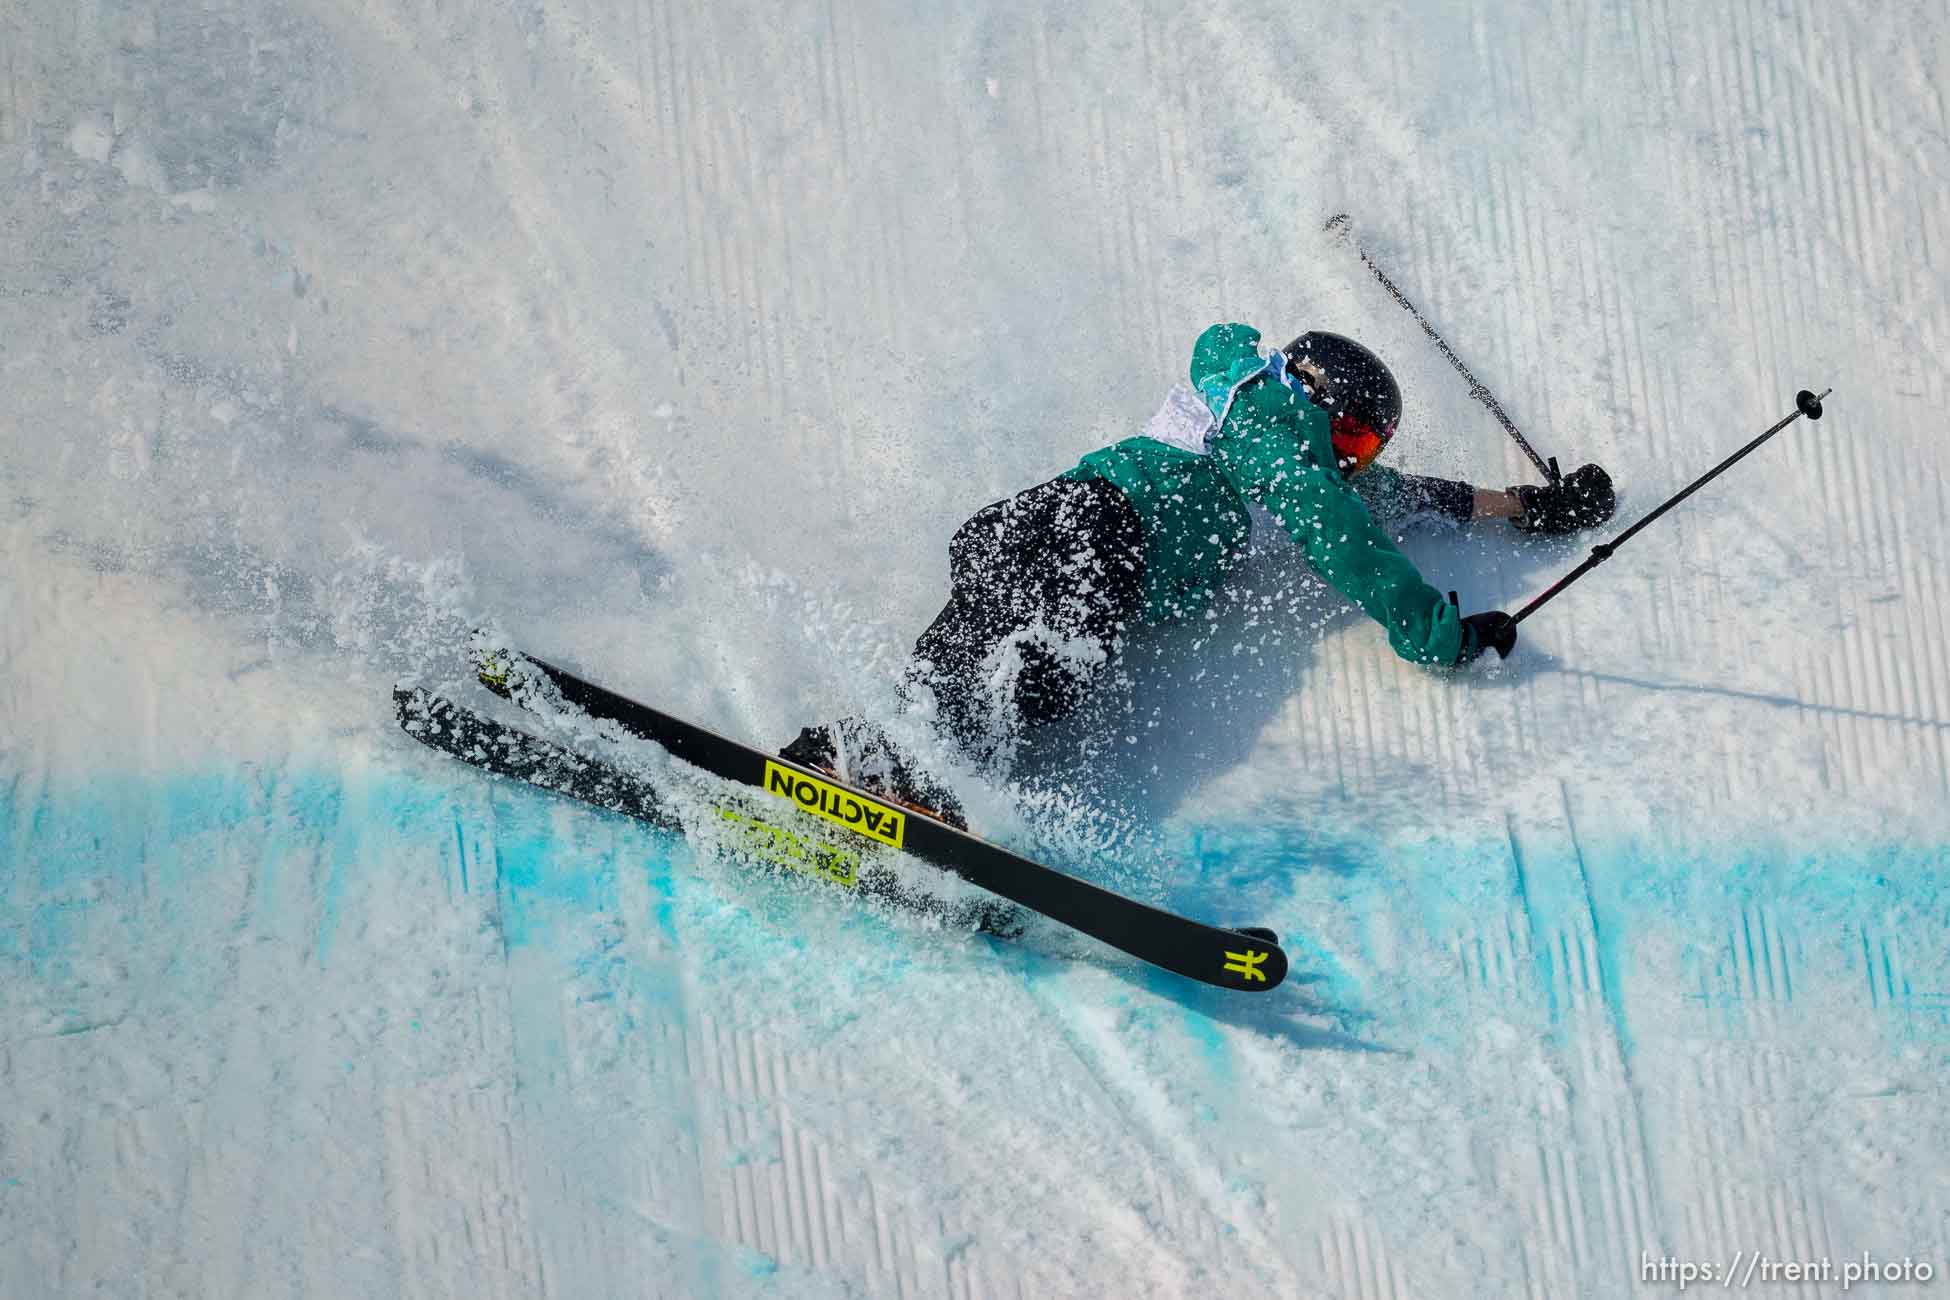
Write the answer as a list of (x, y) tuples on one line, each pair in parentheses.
[(780, 847), (839, 805), (1246, 964), (494, 673)]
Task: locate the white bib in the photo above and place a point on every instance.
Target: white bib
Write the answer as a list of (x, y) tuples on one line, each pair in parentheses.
[(1183, 421)]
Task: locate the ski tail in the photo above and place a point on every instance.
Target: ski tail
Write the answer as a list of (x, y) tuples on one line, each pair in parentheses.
[(506, 751), (441, 724)]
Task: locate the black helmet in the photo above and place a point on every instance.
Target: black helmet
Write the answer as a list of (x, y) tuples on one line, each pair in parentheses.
[(1355, 389)]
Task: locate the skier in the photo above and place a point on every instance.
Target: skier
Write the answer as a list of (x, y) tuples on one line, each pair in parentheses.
[(1045, 584)]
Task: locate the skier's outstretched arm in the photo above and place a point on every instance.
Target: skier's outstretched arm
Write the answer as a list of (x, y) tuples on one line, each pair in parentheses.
[(1349, 550), (1583, 499), (1273, 446)]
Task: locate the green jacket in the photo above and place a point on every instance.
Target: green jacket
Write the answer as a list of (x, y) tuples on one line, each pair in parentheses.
[(1263, 443)]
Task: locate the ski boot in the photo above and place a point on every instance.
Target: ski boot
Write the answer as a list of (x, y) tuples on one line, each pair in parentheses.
[(857, 752)]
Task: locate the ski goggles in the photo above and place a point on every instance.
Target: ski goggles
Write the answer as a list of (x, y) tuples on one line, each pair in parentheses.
[(1355, 444)]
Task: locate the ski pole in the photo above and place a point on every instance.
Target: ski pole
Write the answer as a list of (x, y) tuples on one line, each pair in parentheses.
[(1477, 390), (1805, 403)]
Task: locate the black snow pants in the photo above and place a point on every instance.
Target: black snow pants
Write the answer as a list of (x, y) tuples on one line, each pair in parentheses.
[(1043, 586)]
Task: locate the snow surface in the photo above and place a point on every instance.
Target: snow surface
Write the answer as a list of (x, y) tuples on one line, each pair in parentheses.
[(676, 339)]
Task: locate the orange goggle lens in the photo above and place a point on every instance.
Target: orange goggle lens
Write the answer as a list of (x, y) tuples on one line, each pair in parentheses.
[(1355, 444)]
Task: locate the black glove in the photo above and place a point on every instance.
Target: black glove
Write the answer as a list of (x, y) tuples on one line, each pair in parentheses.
[(1581, 499), (1492, 628)]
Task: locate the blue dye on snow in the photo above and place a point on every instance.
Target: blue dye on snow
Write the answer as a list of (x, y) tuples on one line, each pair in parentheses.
[(460, 854), (1211, 1044), (77, 862)]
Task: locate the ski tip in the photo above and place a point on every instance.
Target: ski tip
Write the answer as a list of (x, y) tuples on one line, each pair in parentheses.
[(1255, 963)]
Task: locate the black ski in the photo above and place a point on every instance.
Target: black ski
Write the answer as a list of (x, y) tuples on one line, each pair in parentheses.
[(1248, 959), (507, 751)]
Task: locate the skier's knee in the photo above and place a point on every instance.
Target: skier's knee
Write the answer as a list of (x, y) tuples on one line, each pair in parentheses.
[(1048, 687)]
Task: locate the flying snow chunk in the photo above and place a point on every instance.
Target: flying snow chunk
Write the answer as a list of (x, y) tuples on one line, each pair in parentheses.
[(91, 139), (140, 167)]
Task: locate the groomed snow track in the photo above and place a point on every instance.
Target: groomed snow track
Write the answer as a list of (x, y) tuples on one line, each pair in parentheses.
[(675, 339)]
